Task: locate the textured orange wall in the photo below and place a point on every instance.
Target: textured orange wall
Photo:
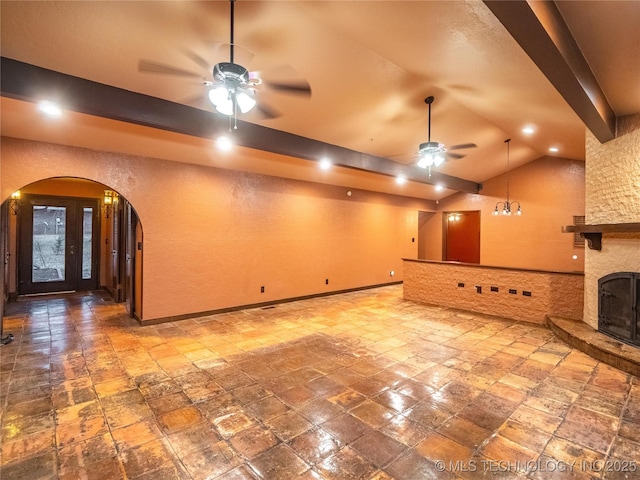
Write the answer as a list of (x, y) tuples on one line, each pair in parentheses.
[(551, 191), (552, 293), (212, 237)]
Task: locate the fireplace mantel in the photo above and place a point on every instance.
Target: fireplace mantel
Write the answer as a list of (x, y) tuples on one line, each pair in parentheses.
[(593, 233)]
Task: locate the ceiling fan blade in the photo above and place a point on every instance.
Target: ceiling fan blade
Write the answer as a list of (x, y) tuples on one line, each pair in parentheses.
[(267, 111), (455, 156), (152, 67), (300, 87), (462, 145), (197, 59)]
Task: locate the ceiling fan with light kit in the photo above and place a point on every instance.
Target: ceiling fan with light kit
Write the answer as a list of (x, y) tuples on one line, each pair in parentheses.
[(233, 88), (434, 154)]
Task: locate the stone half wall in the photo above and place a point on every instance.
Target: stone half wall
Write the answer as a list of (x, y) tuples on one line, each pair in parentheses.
[(612, 196), (552, 293)]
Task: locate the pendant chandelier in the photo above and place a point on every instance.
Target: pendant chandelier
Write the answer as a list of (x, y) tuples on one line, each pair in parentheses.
[(506, 207)]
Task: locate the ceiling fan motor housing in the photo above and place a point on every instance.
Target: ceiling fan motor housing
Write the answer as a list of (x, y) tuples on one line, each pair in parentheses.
[(230, 71), (432, 147)]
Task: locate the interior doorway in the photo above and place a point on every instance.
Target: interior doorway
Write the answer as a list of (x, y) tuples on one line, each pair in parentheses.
[(462, 236), (58, 240), (69, 234), (124, 237)]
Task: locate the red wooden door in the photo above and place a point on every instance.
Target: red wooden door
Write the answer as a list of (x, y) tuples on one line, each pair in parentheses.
[(462, 236)]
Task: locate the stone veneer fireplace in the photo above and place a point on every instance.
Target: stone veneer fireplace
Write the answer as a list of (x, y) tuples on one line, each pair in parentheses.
[(612, 201), (618, 306)]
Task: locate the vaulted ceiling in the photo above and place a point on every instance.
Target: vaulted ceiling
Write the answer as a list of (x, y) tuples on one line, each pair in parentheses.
[(493, 68)]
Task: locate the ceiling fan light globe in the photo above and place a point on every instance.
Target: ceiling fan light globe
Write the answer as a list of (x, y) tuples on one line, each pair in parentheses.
[(226, 107), (245, 100), (425, 161), (438, 159), (218, 95)]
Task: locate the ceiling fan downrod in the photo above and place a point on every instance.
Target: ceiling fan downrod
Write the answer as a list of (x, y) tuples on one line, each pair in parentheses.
[(429, 100), (231, 47), (231, 29)]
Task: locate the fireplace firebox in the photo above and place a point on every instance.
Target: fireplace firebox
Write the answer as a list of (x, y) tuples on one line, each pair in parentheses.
[(618, 311)]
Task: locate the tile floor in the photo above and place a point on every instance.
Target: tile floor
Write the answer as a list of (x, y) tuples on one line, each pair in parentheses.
[(362, 385)]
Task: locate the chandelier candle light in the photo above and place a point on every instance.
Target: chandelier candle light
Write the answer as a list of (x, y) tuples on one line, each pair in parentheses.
[(506, 207)]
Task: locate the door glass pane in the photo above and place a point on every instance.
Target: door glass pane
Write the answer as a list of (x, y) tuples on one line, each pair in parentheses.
[(49, 244), (87, 235)]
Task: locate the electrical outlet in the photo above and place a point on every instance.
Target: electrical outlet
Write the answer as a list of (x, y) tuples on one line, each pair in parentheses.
[(262, 289), (326, 281)]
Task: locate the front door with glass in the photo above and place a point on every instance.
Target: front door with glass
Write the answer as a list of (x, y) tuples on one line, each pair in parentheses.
[(58, 244)]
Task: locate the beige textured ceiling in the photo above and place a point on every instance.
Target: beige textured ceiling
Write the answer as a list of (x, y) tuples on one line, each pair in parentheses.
[(370, 65)]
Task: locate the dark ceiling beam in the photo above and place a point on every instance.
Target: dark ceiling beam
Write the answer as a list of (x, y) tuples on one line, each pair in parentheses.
[(30, 83), (540, 29)]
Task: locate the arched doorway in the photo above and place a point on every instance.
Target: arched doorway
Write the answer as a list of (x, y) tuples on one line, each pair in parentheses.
[(70, 234)]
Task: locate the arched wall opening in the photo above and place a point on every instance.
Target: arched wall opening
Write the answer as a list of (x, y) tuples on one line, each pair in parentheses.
[(72, 234)]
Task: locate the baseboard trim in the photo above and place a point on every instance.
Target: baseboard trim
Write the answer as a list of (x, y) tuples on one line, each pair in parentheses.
[(174, 318)]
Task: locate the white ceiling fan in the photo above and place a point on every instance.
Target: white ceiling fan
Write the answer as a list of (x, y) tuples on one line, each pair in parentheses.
[(435, 153), (233, 86)]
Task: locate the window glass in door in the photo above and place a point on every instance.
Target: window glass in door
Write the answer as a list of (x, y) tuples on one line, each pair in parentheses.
[(87, 243), (48, 243)]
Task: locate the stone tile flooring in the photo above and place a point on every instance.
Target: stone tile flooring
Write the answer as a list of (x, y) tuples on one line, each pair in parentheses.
[(362, 385)]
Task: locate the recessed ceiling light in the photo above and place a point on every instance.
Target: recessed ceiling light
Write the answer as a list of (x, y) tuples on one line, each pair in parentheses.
[(224, 144), (325, 164), (400, 180), (439, 187), (50, 108), (554, 149), (528, 130)]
